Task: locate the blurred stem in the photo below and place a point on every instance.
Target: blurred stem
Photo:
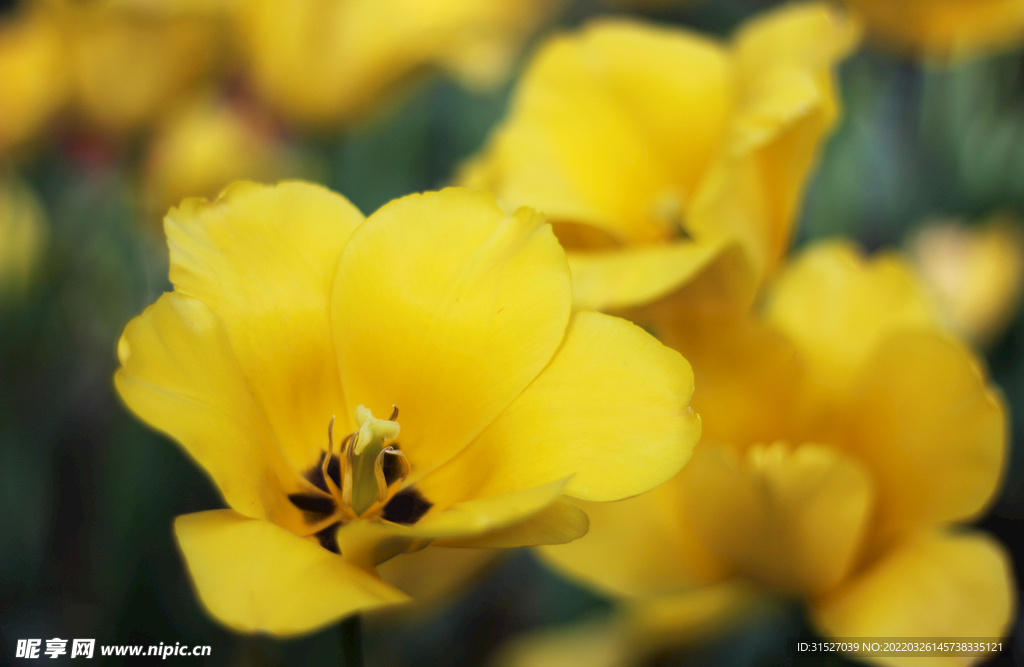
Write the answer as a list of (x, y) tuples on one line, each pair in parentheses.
[(350, 636)]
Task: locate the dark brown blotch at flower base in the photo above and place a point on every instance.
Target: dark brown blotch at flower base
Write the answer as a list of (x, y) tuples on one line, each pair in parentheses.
[(328, 537), (407, 507), (314, 508)]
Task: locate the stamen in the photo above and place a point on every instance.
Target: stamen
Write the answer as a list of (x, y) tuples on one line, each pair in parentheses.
[(349, 444), (332, 488), (378, 471), (394, 414)]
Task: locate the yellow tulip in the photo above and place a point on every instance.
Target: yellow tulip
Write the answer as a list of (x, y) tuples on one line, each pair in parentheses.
[(23, 235), (846, 433), (944, 28), (295, 326), (321, 62), (668, 160), (33, 74), (975, 273), (132, 60), (208, 145)]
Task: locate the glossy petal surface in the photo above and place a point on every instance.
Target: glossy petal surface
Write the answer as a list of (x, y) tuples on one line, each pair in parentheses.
[(933, 434), (257, 577), (264, 260), (450, 336), (621, 277), (838, 307), (178, 374), (611, 411), (640, 546)]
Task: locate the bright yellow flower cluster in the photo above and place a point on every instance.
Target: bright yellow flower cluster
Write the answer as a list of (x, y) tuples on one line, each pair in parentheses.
[(435, 374), (295, 324), (121, 64), (845, 431)]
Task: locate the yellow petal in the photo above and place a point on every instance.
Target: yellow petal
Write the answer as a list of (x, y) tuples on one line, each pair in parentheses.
[(622, 277), (322, 61), (930, 429), (132, 64), (263, 258), (838, 307), (657, 98), (178, 374), (254, 576), (558, 523), (787, 105), (791, 519), (746, 375), (368, 543), (447, 307), (944, 28), (642, 546), (629, 431), (934, 585)]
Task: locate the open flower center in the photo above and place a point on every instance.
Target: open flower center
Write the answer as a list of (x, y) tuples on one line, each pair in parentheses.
[(362, 480)]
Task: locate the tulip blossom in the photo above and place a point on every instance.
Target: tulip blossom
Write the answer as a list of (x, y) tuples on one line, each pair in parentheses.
[(846, 435), (944, 28), (322, 62), (359, 389), (671, 164)]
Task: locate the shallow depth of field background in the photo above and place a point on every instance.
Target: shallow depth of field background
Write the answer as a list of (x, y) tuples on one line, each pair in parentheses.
[(87, 493)]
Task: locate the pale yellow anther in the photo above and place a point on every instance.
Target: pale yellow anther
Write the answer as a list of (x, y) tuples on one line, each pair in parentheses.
[(372, 429)]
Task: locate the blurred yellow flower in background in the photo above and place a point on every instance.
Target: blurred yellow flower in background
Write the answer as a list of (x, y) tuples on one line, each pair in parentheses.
[(666, 159), (33, 74), (209, 144), (23, 236), (132, 60), (975, 273), (321, 62), (123, 63), (293, 320), (845, 431), (944, 28)]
